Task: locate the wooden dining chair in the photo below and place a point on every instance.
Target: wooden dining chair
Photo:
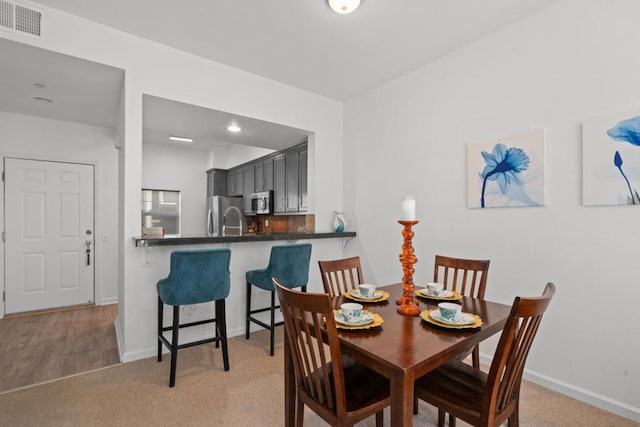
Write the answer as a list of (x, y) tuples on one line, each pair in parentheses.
[(340, 275), (482, 399), (340, 393), (467, 276)]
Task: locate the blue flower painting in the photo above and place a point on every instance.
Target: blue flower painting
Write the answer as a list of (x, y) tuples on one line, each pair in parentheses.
[(503, 166), (507, 172), (627, 131), (611, 160)]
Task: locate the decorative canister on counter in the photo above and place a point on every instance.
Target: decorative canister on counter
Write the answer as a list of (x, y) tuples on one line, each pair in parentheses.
[(339, 223)]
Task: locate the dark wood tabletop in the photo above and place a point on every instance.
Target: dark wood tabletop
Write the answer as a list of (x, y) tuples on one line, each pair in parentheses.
[(404, 348)]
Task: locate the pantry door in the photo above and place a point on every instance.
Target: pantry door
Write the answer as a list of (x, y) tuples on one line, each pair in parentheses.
[(49, 229)]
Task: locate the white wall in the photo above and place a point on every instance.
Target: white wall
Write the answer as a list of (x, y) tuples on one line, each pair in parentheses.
[(44, 139), (567, 64), (183, 169), (239, 154), (164, 72)]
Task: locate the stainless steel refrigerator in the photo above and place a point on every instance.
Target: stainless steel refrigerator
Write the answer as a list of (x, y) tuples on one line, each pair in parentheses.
[(225, 217)]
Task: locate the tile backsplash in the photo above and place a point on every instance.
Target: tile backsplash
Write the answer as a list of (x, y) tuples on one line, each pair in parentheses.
[(283, 223)]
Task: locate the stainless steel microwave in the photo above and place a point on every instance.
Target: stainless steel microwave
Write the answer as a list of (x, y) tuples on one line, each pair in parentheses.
[(261, 203)]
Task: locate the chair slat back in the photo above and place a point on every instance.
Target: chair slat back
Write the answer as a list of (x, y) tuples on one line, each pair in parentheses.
[(318, 369), (340, 275), (467, 276), (505, 374)]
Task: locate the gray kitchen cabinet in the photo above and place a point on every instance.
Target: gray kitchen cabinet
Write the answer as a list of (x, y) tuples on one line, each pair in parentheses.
[(293, 185), (248, 177), (279, 184), (284, 172), (290, 181), (303, 183), (264, 175), (234, 182), (216, 182)]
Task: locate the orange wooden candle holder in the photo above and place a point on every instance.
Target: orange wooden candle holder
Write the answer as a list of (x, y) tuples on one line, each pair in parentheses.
[(407, 304)]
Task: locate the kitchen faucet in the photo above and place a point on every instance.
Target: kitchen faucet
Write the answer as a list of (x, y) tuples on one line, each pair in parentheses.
[(224, 221)]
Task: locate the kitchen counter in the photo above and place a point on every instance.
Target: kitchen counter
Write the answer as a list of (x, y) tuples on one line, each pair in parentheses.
[(247, 237)]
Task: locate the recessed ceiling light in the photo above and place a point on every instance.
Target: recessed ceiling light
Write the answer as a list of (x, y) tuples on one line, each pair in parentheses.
[(233, 128), (180, 139), (344, 6), (41, 99)]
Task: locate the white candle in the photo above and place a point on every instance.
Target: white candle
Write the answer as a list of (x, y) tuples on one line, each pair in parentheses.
[(408, 209)]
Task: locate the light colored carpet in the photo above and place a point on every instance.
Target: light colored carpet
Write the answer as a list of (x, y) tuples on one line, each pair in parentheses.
[(250, 394)]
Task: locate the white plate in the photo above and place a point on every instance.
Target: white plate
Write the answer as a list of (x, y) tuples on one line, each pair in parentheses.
[(445, 293), (463, 319), (364, 319), (356, 293)]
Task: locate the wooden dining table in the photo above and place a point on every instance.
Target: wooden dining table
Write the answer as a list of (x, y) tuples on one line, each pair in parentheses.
[(404, 348)]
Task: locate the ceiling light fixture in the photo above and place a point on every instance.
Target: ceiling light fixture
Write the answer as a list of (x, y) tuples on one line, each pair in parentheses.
[(180, 139), (344, 6), (234, 128)]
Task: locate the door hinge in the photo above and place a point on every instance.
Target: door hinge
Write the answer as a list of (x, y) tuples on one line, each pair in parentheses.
[(3, 236), (3, 299), (2, 176)]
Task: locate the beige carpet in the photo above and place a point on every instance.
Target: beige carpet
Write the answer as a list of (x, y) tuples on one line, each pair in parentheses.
[(250, 394)]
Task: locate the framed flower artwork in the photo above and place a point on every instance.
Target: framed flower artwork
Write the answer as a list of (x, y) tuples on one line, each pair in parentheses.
[(611, 160), (507, 172)]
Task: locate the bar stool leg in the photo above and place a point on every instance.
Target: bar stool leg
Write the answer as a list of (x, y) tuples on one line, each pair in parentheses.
[(221, 327), (174, 345), (160, 320), (217, 335), (246, 334), (273, 312)]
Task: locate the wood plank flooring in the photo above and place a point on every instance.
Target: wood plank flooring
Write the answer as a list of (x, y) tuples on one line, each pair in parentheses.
[(41, 347)]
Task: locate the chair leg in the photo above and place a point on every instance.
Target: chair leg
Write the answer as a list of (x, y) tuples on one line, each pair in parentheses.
[(160, 320), (415, 405), (475, 357), (380, 418), (248, 325), (441, 416), (217, 331), (273, 316), (513, 420), (299, 413), (452, 421), (221, 329), (174, 344)]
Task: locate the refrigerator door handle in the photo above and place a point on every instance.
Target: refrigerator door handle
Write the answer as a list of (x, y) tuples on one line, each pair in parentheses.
[(210, 223)]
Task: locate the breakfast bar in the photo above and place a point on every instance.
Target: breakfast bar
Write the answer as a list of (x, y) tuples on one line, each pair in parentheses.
[(245, 238), (249, 251)]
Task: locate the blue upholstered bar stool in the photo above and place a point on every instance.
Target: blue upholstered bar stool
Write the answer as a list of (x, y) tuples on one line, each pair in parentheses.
[(195, 277), (290, 265)]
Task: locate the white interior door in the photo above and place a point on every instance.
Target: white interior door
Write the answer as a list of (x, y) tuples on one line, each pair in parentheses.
[(49, 244)]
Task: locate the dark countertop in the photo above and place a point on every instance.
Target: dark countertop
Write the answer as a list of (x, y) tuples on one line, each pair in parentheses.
[(248, 237)]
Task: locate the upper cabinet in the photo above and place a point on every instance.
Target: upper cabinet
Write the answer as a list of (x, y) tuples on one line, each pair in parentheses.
[(279, 184), (234, 182), (216, 182), (264, 175), (284, 172), (292, 164), (292, 171), (248, 177), (303, 173)]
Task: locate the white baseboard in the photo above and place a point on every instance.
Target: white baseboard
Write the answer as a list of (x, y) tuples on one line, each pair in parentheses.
[(107, 301), (598, 400), (151, 352)]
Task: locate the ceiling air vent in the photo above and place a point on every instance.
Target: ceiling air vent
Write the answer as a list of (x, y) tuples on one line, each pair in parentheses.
[(20, 18)]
